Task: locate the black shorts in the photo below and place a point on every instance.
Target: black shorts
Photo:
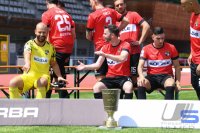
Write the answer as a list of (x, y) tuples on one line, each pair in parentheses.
[(115, 82), (157, 81), (62, 60), (134, 64), (103, 69), (195, 79)]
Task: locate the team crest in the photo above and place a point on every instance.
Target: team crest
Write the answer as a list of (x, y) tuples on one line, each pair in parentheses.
[(196, 23), (167, 53), (46, 52)]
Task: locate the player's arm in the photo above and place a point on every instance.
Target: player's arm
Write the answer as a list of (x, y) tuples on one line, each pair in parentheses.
[(123, 23), (27, 57), (141, 79), (73, 30), (177, 73), (89, 34), (145, 31), (94, 66), (56, 69), (119, 58)]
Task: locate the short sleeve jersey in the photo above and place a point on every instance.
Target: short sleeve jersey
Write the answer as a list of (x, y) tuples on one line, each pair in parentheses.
[(131, 32), (61, 24), (96, 22), (195, 37), (40, 57), (159, 61), (117, 68)]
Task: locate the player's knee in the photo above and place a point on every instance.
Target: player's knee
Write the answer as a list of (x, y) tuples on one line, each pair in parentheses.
[(42, 82), (128, 87), (98, 87), (170, 82)]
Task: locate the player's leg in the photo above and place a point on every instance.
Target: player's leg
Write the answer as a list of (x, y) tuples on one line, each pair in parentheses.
[(195, 79), (169, 85), (97, 90), (41, 84), (134, 60), (127, 86), (15, 87), (60, 58)]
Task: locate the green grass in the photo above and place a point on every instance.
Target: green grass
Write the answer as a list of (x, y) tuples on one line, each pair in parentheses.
[(87, 129)]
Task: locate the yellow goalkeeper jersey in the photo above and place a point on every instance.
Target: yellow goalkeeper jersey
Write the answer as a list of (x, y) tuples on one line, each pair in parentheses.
[(41, 57)]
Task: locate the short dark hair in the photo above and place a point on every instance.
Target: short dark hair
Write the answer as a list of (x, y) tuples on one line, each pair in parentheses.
[(52, 1), (61, 4), (113, 29), (158, 30)]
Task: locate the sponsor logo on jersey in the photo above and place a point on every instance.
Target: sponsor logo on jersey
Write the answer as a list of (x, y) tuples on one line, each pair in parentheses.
[(41, 60), (112, 62), (196, 23), (159, 63), (194, 33), (129, 28)]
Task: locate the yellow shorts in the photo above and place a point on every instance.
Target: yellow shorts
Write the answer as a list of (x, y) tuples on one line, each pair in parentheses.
[(30, 81)]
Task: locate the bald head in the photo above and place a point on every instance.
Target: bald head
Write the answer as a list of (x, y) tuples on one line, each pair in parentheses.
[(191, 6), (41, 32), (41, 26)]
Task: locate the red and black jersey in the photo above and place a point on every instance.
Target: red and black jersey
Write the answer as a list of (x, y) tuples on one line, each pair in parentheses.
[(98, 20), (159, 60), (117, 68), (132, 31), (195, 38), (61, 24)]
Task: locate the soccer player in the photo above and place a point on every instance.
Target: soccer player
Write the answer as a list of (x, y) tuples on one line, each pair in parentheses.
[(61, 35), (131, 34), (192, 6), (159, 56), (102, 16), (39, 55), (117, 53)]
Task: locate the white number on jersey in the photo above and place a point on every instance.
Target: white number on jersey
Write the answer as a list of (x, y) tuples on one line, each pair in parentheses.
[(63, 19), (108, 20)]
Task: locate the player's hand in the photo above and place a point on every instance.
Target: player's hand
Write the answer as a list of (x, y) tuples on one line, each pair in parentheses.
[(198, 70), (178, 86), (61, 79), (189, 60), (135, 43), (26, 67), (141, 81), (99, 53), (81, 66)]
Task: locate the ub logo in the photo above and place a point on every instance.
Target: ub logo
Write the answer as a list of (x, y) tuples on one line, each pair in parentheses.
[(46, 52), (167, 53)]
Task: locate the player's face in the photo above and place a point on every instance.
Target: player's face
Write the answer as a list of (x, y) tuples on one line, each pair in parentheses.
[(92, 4), (158, 40), (187, 5), (41, 34), (120, 6), (107, 35)]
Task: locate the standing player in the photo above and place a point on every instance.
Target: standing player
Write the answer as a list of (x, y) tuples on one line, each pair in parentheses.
[(95, 27), (192, 6), (61, 35), (160, 56), (131, 34), (39, 55), (117, 53)]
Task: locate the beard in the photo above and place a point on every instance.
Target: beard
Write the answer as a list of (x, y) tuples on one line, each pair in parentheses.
[(41, 38), (108, 39)]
